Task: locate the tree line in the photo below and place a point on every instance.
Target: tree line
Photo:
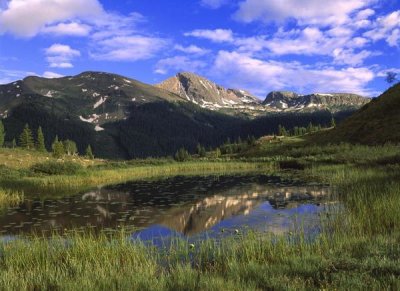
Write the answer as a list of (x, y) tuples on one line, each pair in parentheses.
[(29, 141)]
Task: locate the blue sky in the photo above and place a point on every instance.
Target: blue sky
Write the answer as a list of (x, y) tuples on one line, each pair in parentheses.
[(258, 45)]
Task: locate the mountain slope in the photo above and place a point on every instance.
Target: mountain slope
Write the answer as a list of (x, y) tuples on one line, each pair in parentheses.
[(207, 94), (123, 118), (286, 100), (377, 122), (94, 96)]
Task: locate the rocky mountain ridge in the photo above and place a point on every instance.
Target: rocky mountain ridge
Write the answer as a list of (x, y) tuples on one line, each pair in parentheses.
[(124, 118), (210, 95), (205, 93), (286, 100)]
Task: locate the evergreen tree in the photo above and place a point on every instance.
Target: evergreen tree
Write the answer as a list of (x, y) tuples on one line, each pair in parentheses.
[(296, 131), (182, 155), (40, 145), (310, 128), (282, 131), (58, 148), (2, 134), (333, 122), (251, 140), (201, 151), (26, 138), (89, 153), (217, 153), (70, 147)]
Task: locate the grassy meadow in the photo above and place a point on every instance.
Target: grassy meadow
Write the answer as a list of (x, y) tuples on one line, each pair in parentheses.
[(358, 249)]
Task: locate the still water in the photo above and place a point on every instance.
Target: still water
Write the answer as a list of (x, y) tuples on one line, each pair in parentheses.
[(190, 207)]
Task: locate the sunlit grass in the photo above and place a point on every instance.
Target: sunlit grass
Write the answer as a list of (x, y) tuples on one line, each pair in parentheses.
[(357, 249), (10, 198)]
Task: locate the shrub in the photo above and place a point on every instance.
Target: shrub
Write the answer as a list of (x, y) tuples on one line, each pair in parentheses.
[(57, 168)]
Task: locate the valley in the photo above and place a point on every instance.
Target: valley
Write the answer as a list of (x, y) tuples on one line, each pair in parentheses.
[(227, 193)]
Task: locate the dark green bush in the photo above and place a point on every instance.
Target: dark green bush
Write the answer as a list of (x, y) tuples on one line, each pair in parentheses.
[(57, 168)]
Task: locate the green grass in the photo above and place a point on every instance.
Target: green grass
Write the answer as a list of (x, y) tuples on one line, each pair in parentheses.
[(377, 122), (358, 249), (10, 198), (67, 184)]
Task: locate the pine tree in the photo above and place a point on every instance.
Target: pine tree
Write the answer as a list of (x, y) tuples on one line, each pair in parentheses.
[(282, 131), (310, 128), (201, 151), (58, 148), (70, 147), (217, 153), (26, 138), (40, 145), (333, 122), (2, 134), (182, 155), (89, 153)]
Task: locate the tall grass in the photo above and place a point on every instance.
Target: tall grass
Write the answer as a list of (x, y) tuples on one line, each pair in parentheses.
[(95, 177), (358, 249), (10, 198)]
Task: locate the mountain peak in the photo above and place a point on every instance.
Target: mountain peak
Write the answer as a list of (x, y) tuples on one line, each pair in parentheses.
[(204, 92)]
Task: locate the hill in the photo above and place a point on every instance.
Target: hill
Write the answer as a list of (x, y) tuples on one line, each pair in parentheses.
[(377, 122)]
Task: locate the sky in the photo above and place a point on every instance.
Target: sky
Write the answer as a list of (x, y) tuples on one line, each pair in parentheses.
[(257, 45)]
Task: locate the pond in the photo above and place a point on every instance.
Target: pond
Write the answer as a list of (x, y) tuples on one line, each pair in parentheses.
[(193, 207)]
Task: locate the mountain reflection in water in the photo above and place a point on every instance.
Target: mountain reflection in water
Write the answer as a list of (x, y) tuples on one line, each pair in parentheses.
[(184, 205)]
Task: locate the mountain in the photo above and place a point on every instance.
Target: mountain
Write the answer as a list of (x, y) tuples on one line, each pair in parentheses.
[(207, 94), (286, 100), (124, 118), (377, 122), (94, 97)]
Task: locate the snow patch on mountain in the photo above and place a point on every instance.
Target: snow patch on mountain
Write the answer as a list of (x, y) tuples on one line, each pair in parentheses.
[(101, 101)]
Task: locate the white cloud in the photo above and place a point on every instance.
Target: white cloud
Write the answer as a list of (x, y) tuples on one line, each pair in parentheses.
[(383, 73), (216, 35), (52, 75), (386, 28), (213, 4), (349, 57), (61, 49), (61, 65), (178, 63), (8, 76), (27, 17), (61, 55), (72, 29), (128, 48), (394, 38), (262, 76), (314, 12), (191, 49)]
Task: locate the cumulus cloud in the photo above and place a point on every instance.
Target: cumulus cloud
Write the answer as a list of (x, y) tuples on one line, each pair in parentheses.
[(216, 35), (27, 17), (71, 28), (314, 12), (178, 63), (262, 76), (61, 55), (387, 28)]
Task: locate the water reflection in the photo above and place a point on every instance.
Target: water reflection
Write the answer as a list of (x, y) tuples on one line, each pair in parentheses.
[(187, 206)]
